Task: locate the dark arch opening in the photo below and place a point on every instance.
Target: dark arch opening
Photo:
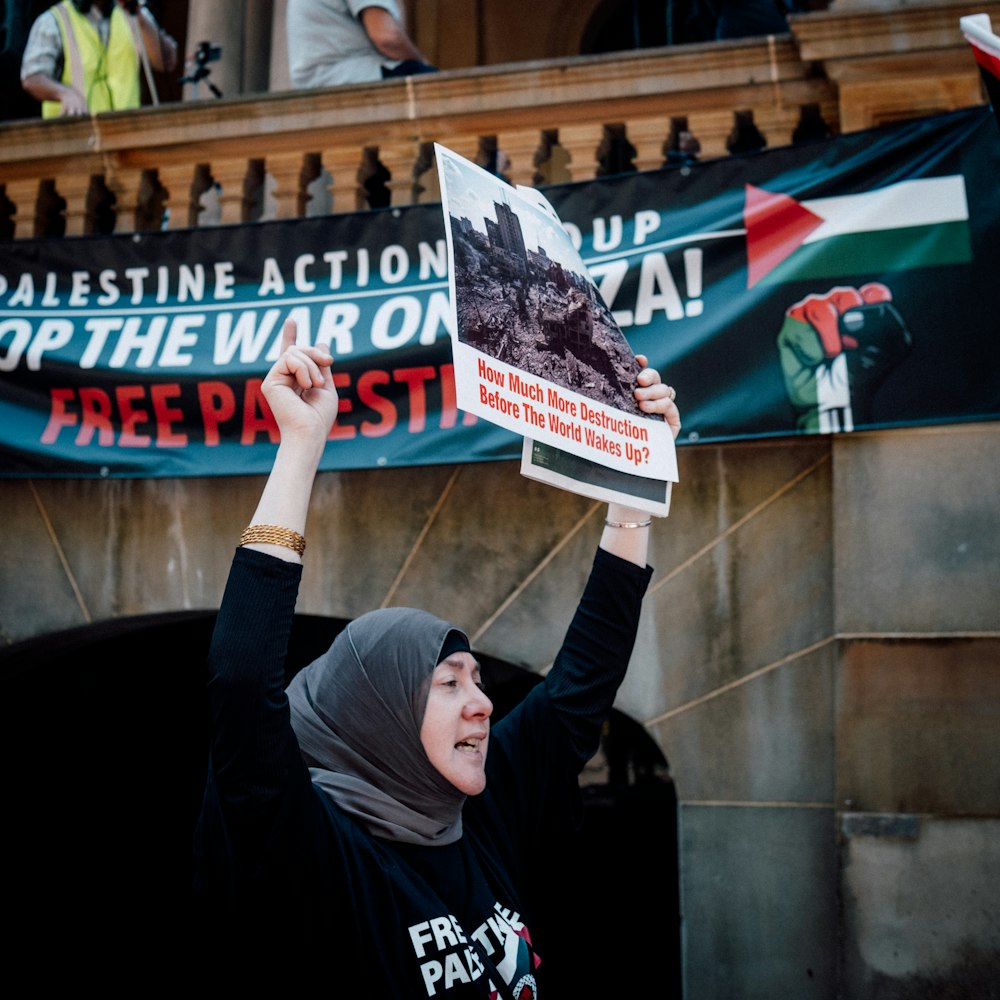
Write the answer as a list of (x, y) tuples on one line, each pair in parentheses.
[(104, 732), (626, 25)]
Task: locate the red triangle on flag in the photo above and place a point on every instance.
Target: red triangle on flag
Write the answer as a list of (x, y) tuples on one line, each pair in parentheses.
[(776, 225)]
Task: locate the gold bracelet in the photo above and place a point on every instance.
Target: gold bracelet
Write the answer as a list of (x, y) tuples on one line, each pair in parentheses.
[(273, 534), (628, 524)]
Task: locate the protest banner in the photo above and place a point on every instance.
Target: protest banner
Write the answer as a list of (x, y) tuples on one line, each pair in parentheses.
[(840, 285)]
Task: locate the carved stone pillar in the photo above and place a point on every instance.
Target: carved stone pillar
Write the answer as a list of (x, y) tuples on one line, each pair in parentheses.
[(581, 142), (551, 160), (648, 136), (231, 176), (520, 148), (126, 185), (178, 180), (712, 129), (287, 170), (23, 195), (400, 158), (74, 189), (343, 165)]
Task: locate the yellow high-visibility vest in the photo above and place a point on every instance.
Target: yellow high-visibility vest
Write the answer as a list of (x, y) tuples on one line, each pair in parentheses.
[(108, 77)]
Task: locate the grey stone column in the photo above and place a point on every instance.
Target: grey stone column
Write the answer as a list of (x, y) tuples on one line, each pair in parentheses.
[(280, 80), (243, 29)]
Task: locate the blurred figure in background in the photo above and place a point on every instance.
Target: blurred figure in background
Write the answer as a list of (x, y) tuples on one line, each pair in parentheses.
[(83, 56), (332, 42)]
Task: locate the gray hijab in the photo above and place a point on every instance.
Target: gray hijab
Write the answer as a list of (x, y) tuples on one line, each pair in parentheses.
[(357, 712)]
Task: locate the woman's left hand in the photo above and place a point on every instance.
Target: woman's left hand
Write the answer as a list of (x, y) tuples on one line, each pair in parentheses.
[(655, 397)]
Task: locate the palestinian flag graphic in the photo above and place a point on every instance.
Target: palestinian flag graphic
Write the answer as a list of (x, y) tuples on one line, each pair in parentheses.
[(915, 223), (978, 33)]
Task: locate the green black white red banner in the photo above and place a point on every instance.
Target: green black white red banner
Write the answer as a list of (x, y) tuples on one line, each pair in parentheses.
[(821, 288)]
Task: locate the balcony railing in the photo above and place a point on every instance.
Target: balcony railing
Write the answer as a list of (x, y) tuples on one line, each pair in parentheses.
[(288, 155)]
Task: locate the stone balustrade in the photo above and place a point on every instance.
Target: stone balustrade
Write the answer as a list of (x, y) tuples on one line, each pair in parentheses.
[(298, 153)]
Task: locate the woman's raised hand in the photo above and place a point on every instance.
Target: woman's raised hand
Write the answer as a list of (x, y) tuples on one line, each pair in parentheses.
[(299, 387), (655, 397)]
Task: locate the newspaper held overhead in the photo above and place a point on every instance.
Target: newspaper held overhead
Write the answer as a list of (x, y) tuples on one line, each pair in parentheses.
[(537, 351)]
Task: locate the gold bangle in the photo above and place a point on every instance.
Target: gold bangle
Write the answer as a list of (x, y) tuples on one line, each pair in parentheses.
[(628, 524), (273, 534)]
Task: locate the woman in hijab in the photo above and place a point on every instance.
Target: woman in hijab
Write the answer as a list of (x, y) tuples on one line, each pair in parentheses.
[(367, 824)]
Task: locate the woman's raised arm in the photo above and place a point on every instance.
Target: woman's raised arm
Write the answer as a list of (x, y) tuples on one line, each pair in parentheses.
[(300, 391)]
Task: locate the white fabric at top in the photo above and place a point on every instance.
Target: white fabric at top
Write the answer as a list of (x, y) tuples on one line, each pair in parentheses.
[(327, 44)]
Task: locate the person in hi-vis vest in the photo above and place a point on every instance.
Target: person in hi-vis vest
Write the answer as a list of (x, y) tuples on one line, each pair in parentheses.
[(84, 56)]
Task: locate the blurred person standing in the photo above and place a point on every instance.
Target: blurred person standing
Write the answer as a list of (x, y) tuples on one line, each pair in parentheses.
[(332, 42), (83, 56)]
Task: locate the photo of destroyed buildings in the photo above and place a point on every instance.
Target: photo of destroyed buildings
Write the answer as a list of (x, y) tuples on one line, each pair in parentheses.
[(523, 295)]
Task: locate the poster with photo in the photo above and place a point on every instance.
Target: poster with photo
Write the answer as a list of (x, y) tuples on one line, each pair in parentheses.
[(537, 351)]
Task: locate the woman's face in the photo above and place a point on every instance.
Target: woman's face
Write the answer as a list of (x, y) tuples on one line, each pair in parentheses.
[(456, 727)]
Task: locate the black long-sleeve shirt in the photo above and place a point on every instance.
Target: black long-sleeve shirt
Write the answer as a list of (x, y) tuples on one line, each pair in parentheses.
[(274, 852)]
